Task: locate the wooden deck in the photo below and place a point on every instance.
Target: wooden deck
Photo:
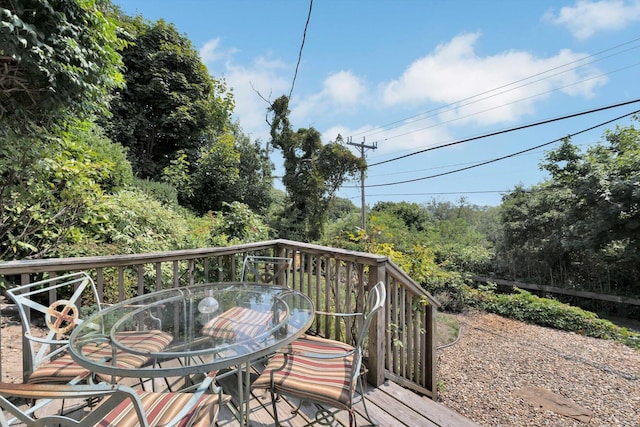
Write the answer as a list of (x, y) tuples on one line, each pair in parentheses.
[(389, 405)]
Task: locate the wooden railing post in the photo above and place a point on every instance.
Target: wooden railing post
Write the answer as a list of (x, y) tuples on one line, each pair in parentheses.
[(430, 362), (376, 350), (334, 278)]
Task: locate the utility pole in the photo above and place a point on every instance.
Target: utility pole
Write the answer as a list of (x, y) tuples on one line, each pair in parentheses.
[(362, 146)]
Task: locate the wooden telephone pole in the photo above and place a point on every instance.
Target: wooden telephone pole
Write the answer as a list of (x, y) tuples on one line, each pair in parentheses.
[(362, 147)]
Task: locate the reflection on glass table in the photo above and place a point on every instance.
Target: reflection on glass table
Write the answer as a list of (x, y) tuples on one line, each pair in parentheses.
[(212, 327)]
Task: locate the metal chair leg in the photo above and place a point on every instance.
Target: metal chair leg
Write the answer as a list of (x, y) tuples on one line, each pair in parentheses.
[(364, 403), (274, 406)]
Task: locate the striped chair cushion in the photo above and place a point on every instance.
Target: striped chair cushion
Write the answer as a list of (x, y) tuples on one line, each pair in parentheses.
[(59, 371), (160, 408), (320, 380), (64, 369), (238, 323), (147, 341)]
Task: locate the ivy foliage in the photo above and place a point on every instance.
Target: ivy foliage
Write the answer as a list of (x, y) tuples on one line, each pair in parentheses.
[(58, 60), (313, 173), (524, 306)]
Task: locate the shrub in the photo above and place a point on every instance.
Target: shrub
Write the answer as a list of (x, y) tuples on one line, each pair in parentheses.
[(524, 306), (419, 263), (163, 192)]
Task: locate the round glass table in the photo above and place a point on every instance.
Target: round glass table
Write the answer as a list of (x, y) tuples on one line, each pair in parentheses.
[(199, 329)]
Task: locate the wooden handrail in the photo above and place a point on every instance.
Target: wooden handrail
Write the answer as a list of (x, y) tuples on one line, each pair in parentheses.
[(401, 342)]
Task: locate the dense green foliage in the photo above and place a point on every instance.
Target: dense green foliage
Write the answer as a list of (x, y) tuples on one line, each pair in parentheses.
[(58, 60), (582, 226), (231, 169), (170, 103), (436, 244), (524, 306), (49, 186)]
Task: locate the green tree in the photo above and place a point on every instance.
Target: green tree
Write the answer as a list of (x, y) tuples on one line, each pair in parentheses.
[(49, 187), (580, 226), (58, 60), (255, 182), (215, 176), (230, 169), (313, 173), (170, 104), (414, 216)]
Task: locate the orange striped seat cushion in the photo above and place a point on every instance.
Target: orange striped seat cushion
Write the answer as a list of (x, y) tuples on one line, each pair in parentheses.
[(64, 369), (320, 380), (160, 408), (145, 341), (238, 323), (59, 371)]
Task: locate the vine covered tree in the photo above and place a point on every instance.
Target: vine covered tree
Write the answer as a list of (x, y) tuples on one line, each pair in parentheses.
[(58, 60), (313, 173)]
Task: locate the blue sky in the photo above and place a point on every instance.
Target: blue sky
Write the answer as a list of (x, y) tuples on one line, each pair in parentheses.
[(410, 75)]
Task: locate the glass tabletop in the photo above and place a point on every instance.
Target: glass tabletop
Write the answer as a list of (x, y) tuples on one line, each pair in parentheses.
[(203, 328)]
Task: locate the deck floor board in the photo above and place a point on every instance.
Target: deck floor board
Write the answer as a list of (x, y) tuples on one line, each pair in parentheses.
[(389, 405)]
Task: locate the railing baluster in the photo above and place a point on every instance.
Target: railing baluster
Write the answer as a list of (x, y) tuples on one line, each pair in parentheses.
[(336, 280)]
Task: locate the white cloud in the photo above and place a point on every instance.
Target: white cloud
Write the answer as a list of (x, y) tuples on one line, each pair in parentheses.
[(588, 17), (252, 84), (249, 84), (211, 51), (267, 79), (341, 92), (491, 89), (344, 88)]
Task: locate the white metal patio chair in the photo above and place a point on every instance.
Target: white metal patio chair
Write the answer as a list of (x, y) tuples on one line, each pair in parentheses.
[(47, 328), (323, 371), (266, 269), (75, 298), (119, 406)]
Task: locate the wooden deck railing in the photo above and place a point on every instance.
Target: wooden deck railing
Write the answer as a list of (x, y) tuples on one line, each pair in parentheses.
[(401, 344)]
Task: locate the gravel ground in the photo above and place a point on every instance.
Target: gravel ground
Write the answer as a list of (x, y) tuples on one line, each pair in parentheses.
[(485, 372)]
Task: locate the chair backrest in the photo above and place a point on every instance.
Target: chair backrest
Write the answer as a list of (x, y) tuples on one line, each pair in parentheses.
[(375, 302), (49, 310), (266, 269), (11, 410)]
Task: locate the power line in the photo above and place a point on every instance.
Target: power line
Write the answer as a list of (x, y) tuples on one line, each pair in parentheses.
[(542, 122), (503, 105), (441, 193), (304, 36), (384, 127), (507, 156), (404, 172)]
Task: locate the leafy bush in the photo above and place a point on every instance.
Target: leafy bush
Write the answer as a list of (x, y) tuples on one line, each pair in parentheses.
[(131, 222), (524, 306), (419, 263), (161, 191), (241, 224), (108, 159), (49, 185)]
